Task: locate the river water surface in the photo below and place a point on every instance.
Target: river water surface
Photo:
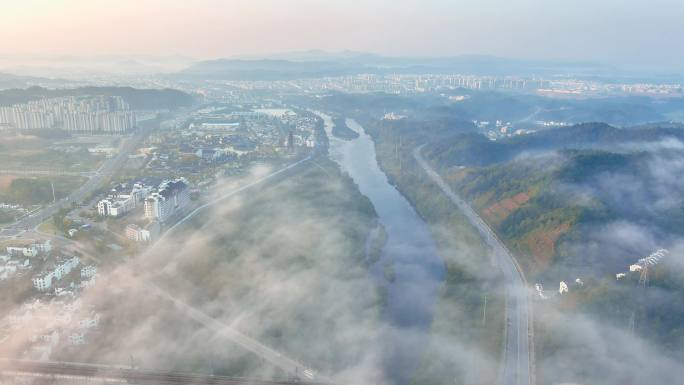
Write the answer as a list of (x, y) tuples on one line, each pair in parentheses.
[(409, 267)]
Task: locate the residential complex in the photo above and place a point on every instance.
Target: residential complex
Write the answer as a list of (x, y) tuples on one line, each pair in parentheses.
[(10, 266), (30, 250), (160, 204), (49, 322), (93, 115), (121, 200), (45, 280), (88, 271)]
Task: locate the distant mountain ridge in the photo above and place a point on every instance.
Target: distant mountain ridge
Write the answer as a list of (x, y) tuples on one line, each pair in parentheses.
[(313, 64)]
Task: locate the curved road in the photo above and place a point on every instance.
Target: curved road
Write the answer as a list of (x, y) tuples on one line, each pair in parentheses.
[(516, 356)]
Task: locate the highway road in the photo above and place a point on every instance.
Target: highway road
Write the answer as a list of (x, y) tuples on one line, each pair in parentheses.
[(114, 374), (516, 369), (108, 168)]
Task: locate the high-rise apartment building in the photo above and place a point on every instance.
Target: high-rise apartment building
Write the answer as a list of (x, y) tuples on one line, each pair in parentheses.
[(171, 197), (94, 115)]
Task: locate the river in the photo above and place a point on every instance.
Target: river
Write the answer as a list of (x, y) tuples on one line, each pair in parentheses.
[(409, 266)]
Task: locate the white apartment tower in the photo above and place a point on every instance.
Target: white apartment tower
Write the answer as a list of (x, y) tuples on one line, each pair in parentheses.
[(171, 197)]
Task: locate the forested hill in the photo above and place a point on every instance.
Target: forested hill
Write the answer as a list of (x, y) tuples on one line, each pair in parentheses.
[(139, 99), (472, 149)]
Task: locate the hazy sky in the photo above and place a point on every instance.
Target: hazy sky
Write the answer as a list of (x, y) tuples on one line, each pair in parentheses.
[(606, 30)]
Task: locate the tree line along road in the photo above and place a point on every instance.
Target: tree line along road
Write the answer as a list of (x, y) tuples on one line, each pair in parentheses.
[(517, 356)]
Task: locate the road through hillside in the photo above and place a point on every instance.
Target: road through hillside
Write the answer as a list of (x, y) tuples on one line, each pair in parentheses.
[(516, 356)]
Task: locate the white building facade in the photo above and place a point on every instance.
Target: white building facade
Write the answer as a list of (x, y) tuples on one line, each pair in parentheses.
[(171, 197), (45, 281)]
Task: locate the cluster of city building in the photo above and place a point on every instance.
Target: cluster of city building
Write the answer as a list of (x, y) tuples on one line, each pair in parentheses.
[(219, 137), (54, 314), (242, 130), (18, 258), (552, 123), (499, 129), (46, 323), (122, 200), (93, 115), (60, 269), (428, 82), (418, 83), (393, 116), (30, 250), (160, 204), (401, 83)]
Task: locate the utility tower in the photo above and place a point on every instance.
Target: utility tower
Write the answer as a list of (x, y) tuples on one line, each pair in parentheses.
[(643, 267), (643, 276)]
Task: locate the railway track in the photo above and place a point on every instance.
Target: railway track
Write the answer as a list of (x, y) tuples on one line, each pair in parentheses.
[(80, 371)]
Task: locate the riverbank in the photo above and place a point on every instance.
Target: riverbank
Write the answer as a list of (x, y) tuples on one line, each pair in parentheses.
[(342, 131), (409, 267), (468, 327)]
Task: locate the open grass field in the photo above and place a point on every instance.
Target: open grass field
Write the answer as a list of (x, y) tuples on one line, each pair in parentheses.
[(28, 190), (22, 152)]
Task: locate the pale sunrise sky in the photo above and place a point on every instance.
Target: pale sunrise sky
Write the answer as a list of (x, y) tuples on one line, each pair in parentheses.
[(605, 30)]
